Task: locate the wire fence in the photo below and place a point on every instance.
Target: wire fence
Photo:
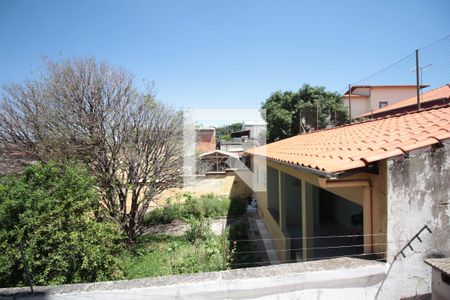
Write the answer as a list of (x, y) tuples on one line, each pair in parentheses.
[(428, 67)]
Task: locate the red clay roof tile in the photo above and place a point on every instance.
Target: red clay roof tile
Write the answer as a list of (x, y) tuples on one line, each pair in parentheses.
[(356, 145)]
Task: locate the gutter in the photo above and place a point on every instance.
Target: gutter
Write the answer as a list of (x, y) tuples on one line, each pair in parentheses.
[(304, 169), (367, 204)]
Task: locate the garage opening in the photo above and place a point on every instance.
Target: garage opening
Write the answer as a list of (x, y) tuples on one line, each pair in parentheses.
[(338, 226)]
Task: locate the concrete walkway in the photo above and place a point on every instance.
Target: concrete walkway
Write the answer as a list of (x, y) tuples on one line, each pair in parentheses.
[(268, 245)]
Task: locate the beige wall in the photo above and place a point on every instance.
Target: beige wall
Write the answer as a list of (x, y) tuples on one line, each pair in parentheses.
[(379, 201), (227, 184), (390, 94), (360, 105)]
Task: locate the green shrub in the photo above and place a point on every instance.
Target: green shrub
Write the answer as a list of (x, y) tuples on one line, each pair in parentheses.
[(198, 230), (155, 216), (164, 215), (205, 206), (193, 207), (50, 210), (215, 206)]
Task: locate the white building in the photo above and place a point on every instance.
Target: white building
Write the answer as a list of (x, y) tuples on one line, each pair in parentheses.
[(366, 98)]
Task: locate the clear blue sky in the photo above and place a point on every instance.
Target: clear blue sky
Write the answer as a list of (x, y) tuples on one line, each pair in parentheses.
[(221, 53)]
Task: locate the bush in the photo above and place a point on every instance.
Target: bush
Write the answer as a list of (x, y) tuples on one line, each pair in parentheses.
[(164, 215), (199, 229), (215, 206), (193, 207), (50, 210), (205, 206)]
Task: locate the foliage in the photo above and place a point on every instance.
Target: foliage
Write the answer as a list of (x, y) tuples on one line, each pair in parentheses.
[(223, 131), (283, 110), (199, 230), (50, 210), (205, 206), (159, 255), (91, 111)]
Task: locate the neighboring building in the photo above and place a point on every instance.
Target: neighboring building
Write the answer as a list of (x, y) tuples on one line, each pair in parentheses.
[(257, 129), (366, 98), (435, 97), (250, 136), (440, 282), (361, 190), (234, 146), (218, 161), (206, 140)]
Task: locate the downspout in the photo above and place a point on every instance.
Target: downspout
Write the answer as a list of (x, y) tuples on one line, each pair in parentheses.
[(367, 203)]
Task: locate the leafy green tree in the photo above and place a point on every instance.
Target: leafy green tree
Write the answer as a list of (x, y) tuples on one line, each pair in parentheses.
[(311, 107), (51, 210), (223, 132)]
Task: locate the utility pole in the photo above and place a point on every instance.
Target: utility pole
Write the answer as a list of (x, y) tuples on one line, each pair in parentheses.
[(317, 115), (417, 79), (350, 102)]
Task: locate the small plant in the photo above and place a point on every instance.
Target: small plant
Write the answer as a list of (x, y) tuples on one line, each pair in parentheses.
[(199, 229)]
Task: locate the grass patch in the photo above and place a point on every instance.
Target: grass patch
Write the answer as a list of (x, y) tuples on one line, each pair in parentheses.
[(198, 250), (160, 255)]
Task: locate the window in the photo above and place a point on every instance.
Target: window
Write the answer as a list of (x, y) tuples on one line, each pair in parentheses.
[(382, 104)]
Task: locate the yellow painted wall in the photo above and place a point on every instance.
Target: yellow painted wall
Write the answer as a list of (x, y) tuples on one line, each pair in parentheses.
[(379, 201), (227, 184)]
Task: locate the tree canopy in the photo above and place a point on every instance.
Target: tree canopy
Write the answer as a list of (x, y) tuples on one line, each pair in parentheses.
[(90, 111), (50, 212), (311, 107)]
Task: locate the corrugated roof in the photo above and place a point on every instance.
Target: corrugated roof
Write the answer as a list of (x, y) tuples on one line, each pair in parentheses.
[(442, 264), (357, 145), (438, 93)]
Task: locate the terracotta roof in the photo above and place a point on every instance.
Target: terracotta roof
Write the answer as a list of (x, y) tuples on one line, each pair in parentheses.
[(357, 145), (438, 93)]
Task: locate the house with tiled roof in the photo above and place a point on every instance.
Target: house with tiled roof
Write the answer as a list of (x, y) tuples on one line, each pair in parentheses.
[(362, 190), (435, 97), (362, 99)]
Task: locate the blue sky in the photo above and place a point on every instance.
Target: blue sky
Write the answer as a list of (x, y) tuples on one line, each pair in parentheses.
[(220, 53)]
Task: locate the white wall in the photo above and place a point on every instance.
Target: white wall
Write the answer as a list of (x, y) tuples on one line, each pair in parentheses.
[(418, 190), (389, 94), (360, 105)]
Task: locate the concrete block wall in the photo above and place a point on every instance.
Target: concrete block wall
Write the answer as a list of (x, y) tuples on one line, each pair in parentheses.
[(418, 194)]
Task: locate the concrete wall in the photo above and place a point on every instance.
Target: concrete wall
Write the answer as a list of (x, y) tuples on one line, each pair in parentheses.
[(355, 195), (440, 289), (342, 278), (418, 195), (226, 184)]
